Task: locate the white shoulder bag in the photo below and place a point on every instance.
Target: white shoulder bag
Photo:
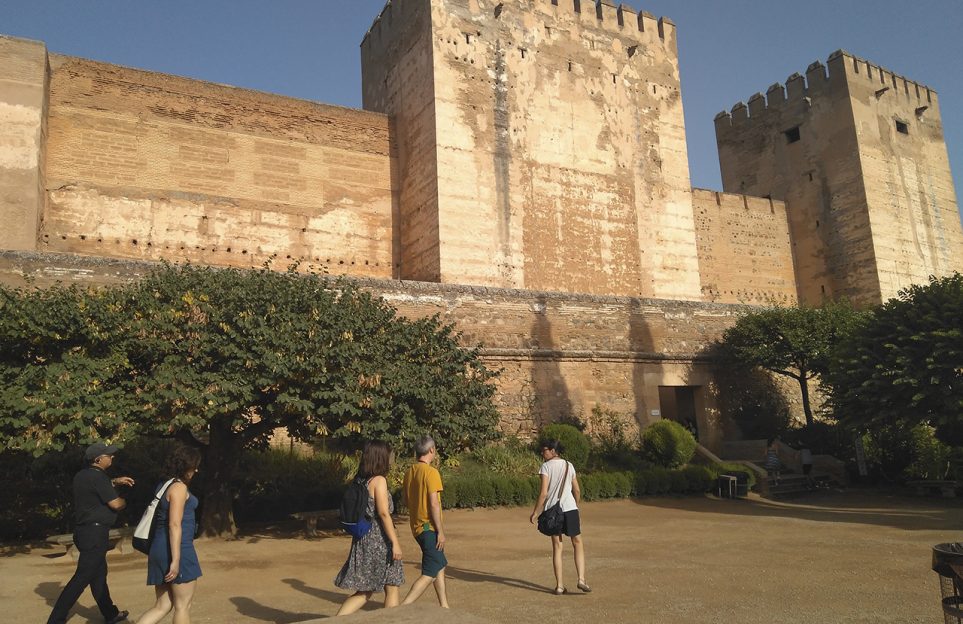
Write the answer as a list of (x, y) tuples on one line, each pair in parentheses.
[(145, 528)]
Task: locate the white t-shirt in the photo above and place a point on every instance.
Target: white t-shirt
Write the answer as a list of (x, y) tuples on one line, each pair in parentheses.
[(555, 469)]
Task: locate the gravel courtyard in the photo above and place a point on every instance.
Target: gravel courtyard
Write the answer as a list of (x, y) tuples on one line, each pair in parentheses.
[(831, 557)]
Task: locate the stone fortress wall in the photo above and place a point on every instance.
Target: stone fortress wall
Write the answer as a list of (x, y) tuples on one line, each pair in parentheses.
[(560, 354), (145, 165), (857, 153), (523, 172)]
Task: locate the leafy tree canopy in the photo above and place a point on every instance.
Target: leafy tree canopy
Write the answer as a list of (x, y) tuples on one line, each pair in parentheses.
[(223, 358), (796, 342), (905, 363)]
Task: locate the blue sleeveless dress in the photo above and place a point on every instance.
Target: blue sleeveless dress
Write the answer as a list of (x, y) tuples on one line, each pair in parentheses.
[(159, 557)]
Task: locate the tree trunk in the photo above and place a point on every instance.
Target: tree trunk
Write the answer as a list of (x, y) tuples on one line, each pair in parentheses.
[(223, 454), (804, 389)]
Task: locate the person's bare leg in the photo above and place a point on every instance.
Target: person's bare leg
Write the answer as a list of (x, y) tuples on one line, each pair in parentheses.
[(441, 590), (418, 588), (557, 561), (392, 596), (162, 606), (579, 549), (182, 594), (354, 602)]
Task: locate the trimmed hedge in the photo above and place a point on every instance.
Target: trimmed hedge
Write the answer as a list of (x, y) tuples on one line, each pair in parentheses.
[(463, 491), (732, 468), (488, 491)]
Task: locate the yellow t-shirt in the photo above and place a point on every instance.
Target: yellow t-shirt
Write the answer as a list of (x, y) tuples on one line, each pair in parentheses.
[(420, 481)]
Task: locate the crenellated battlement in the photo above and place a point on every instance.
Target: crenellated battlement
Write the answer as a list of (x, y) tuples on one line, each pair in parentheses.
[(617, 18), (842, 70)]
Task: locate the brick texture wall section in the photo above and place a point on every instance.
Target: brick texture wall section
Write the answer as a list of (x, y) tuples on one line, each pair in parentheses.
[(745, 252), (560, 354), (149, 166)]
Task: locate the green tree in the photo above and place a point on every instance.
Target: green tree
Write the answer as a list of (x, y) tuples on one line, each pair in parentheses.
[(796, 342), (223, 358), (904, 365)]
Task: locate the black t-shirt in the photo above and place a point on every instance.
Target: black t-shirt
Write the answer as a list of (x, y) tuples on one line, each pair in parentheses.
[(92, 491)]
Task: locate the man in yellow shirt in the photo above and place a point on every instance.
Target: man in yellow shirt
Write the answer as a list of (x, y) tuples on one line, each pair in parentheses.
[(422, 492)]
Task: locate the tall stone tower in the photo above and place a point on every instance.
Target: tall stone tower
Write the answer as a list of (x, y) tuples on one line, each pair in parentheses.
[(541, 145), (23, 134), (858, 155)]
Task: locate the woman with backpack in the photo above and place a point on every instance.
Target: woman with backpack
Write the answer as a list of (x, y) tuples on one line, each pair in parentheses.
[(560, 487), (172, 566), (374, 561)]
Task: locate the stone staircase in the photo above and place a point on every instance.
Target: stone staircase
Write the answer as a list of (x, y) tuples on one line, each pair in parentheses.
[(827, 470), (792, 484)]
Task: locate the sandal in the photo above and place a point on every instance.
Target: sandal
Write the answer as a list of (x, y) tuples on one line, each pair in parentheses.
[(585, 588), (559, 591)]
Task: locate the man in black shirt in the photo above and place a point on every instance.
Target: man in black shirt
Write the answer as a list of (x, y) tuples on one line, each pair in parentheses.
[(96, 504)]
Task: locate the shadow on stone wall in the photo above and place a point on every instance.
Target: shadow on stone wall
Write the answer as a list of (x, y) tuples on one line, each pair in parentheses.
[(551, 401), (640, 342)]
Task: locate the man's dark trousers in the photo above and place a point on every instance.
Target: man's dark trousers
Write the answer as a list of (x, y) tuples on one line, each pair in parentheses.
[(93, 541)]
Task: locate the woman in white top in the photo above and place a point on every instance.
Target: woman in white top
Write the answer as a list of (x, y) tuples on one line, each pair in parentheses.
[(559, 482)]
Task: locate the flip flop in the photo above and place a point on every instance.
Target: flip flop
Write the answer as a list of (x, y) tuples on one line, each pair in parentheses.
[(585, 588), (559, 591)]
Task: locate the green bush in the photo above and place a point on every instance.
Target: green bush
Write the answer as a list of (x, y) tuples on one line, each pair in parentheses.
[(657, 480), (678, 483), (486, 493), (589, 484), (931, 456), (615, 442), (450, 495), (624, 484), (511, 457), (699, 478), (641, 483), (275, 483), (36, 499), (906, 452), (668, 444), (609, 488), (734, 468), (576, 443)]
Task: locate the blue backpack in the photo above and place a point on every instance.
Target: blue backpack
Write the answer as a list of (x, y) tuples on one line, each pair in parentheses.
[(354, 506)]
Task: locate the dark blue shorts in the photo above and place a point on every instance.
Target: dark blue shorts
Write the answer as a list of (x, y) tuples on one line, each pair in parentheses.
[(433, 560), (573, 524)]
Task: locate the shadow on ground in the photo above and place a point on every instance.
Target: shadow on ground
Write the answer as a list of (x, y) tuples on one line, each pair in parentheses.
[(50, 591), (477, 576), (315, 592), (832, 506), (257, 611)]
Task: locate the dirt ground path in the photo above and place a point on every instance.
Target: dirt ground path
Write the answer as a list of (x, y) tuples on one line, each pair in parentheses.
[(832, 557)]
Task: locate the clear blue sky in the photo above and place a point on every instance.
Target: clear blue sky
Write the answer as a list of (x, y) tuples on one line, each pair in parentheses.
[(309, 48)]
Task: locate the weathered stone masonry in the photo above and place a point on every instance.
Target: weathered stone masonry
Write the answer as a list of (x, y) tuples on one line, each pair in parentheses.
[(524, 162)]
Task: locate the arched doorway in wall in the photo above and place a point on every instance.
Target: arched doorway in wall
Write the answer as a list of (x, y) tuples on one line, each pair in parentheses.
[(681, 404)]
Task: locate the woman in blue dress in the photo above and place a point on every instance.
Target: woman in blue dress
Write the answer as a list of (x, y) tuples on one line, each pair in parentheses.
[(173, 571)]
